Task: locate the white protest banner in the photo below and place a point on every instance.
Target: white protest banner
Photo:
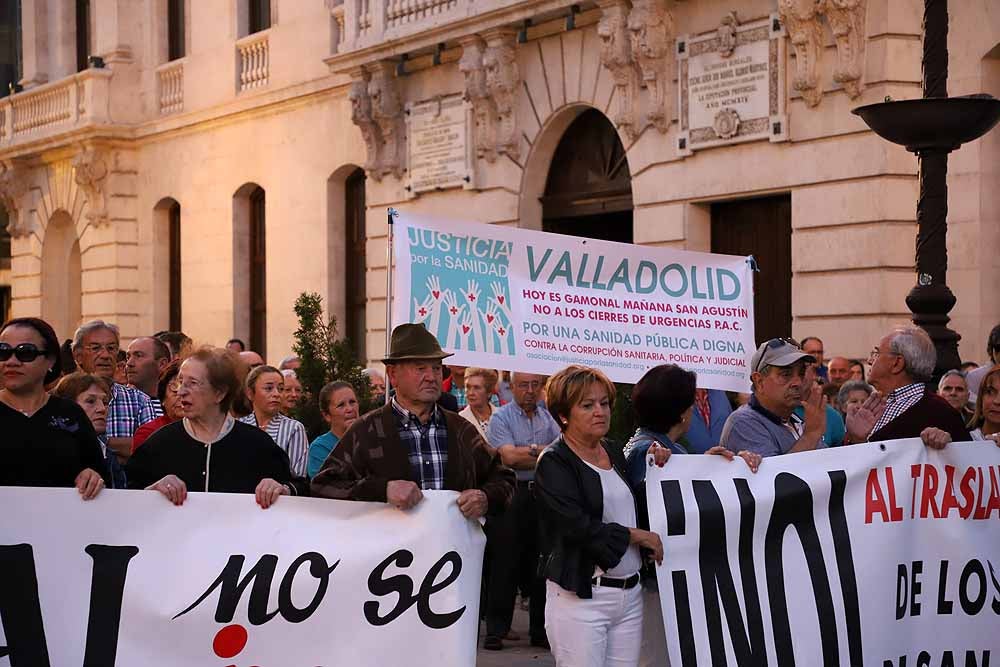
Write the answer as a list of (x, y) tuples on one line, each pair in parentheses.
[(883, 554), (129, 579), (502, 297)]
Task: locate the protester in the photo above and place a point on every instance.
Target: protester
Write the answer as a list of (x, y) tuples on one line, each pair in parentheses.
[(166, 392), (504, 393), (95, 347), (768, 425), (377, 382), (251, 359), (242, 405), (953, 388), (93, 393), (834, 434), (179, 343), (292, 392), (968, 366), (479, 386), (236, 345), (519, 431), (66, 356), (291, 363), (858, 370), (902, 408), (852, 395), (814, 348), (47, 441), (975, 377), (986, 417), (455, 385), (338, 406), (144, 362), (265, 389), (208, 450), (839, 370), (594, 526), (394, 453), (120, 376), (711, 410), (664, 401)]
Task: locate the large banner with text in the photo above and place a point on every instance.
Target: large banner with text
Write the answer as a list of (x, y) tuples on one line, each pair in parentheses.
[(128, 579), (514, 299), (884, 554)]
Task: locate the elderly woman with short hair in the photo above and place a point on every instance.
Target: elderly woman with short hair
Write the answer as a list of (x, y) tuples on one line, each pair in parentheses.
[(479, 386), (166, 392), (852, 395), (594, 519), (208, 450), (93, 394), (292, 392)]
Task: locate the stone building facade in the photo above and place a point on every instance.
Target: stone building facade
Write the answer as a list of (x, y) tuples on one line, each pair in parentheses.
[(219, 157)]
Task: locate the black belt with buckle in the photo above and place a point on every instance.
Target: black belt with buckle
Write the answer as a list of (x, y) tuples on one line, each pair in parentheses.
[(610, 582)]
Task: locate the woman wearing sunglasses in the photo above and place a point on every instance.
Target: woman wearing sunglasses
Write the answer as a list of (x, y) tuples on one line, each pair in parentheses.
[(47, 441)]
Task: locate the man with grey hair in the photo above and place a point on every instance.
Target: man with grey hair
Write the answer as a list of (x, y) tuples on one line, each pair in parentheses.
[(95, 349), (291, 363), (954, 388), (902, 407)]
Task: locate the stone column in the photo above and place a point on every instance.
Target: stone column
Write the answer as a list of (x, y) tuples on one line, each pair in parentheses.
[(35, 42)]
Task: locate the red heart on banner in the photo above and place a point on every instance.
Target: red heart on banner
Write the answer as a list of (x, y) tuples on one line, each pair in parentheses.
[(436, 293), (489, 318), (465, 328), (500, 299)]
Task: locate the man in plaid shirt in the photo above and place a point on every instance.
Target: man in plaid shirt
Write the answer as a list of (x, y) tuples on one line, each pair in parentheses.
[(95, 349), (412, 445)]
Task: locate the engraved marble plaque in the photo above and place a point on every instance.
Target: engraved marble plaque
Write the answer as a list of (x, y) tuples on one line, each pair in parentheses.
[(731, 85), (438, 144)]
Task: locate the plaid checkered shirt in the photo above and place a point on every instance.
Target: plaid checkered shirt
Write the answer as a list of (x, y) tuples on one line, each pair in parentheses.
[(427, 445), (899, 401), (128, 410)]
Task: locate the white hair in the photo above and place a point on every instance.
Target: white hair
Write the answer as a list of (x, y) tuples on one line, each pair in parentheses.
[(917, 350), (89, 328), (288, 360), (289, 373), (953, 373), (373, 372)]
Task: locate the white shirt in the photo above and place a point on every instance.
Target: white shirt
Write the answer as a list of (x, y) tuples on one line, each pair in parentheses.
[(619, 507), (471, 417)]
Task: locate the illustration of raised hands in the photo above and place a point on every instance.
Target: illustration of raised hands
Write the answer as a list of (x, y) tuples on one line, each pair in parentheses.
[(464, 328), (434, 288), (436, 295), (422, 311), (501, 299), (490, 318), (454, 311), (472, 293)]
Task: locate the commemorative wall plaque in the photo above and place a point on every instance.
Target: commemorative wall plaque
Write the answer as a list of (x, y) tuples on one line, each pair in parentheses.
[(438, 144), (731, 84)]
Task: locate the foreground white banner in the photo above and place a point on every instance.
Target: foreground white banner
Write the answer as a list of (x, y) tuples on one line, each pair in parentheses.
[(885, 554), (128, 579), (515, 299)]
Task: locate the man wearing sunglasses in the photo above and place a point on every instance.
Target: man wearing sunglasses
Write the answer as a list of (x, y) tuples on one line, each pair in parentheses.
[(95, 349), (767, 425)]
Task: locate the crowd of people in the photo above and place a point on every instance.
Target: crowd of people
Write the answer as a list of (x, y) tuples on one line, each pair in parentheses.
[(564, 508)]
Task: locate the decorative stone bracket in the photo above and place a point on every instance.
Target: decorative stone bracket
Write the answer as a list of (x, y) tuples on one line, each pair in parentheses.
[(377, 110), (635, 47), (14, 185), (91, 168), (489, 64), (847, 22)]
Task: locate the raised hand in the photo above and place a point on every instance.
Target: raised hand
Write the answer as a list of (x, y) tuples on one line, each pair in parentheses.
[(464, 329), (861, 422), (501, 300), (422, 311), (471, 293), (434, 288), (490, 323)]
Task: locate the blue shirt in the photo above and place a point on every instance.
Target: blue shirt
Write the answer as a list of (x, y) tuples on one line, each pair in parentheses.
[(319, 449), (511, 425), (636, 449), (700, 437), (835, 431)]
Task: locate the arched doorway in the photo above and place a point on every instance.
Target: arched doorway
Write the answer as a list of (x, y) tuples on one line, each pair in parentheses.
[(61, 275), (250, 266), (588, 191), (167, 264)]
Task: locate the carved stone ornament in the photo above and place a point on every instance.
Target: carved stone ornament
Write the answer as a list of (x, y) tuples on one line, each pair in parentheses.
[(616, 56), (361, 115), (484, 111), (847, 21), (726, 123), (13, 187), (91, 173), (503, 78), (651, 32), (727, 34), (801, 20), (387, 112)]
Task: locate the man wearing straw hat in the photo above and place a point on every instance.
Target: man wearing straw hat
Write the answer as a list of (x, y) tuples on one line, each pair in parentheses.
[(411, 445)]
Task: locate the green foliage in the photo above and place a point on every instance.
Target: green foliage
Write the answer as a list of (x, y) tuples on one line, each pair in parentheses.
[(325, 358)]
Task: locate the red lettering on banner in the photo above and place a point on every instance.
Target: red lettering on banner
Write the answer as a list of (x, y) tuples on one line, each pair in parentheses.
[(927, 499), (874, 500), (965, 486), (950, 502), (895, 510), (994, 503), (914, 474)]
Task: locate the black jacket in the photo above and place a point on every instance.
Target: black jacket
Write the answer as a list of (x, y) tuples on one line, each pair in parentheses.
[(571, 509)]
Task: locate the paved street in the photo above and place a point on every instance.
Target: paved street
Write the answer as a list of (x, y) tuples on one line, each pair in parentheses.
[(515, 654)]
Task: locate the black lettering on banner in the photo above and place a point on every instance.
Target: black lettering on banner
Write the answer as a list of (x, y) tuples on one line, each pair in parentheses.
[(845, 564), (319, 570), (673, 503), (793, 507), (944, 605), (996, 587), (20, 611), (685, 629), (402, 586), (107, 588), (972, 606), (232, 587), (717, 578)]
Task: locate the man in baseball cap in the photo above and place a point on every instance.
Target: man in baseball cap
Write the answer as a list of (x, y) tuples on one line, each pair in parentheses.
[(767, 424)]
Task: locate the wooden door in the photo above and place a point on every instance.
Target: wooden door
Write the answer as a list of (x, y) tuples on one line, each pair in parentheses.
[(355, 283), (258, 273), (762, 228)]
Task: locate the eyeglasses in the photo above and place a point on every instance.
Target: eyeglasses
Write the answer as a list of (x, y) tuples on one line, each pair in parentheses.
[(874, 355), (95, 348), (190, 385), (25, 352)]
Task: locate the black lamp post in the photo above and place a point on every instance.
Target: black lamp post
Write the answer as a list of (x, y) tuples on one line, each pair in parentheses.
[(932, 127)]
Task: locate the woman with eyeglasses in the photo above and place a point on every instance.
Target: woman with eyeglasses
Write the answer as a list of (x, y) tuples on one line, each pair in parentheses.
[(47, 441), (166, 391), (93, 394), (208, 450)]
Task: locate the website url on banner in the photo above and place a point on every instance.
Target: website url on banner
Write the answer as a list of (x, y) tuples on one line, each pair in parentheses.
[(608, 363)]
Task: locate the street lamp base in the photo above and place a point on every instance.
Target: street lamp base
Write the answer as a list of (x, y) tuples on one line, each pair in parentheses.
[(930, 305)]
